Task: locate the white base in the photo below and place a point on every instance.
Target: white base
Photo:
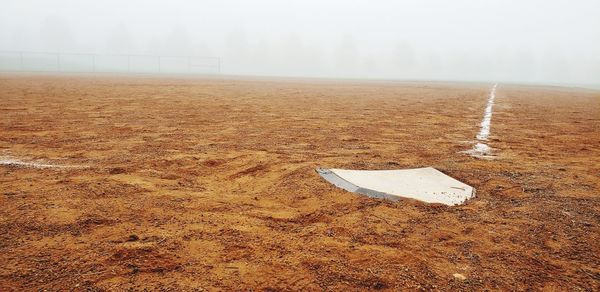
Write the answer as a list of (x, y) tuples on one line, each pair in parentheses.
[(424, 184)]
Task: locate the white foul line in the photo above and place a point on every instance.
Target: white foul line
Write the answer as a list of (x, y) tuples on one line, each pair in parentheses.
[(10, 161), (481, 148), (484, 132)]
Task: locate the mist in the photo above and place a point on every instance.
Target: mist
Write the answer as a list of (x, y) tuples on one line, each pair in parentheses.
[(550, 42)]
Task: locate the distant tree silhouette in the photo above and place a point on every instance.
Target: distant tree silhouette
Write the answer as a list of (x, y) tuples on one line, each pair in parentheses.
[(56, 35)]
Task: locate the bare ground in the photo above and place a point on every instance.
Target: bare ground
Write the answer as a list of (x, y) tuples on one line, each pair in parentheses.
[(209, 184)]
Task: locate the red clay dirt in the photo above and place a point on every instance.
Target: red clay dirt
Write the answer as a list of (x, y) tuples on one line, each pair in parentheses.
[(192, 184)]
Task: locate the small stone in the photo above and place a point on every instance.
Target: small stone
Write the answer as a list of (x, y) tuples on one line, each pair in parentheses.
[(459, 276), (133, 237)]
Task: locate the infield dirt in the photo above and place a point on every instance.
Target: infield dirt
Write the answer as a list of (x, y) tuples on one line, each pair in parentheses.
[(210, 184)]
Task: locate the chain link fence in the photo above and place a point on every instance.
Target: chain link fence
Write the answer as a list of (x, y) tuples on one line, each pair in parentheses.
[(14, 61)]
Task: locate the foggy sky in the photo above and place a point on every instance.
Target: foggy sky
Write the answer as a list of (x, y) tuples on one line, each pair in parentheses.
[(496, 40)]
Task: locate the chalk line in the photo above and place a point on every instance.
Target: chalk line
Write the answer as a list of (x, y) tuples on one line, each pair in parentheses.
[(481, 149), (11, 161)]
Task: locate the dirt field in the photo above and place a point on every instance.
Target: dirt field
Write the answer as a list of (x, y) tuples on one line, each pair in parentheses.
[(189, 184)]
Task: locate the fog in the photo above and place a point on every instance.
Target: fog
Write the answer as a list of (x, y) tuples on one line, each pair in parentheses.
[(497, 40)]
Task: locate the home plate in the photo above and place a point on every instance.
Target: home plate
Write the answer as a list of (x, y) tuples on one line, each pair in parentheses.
[(424, 184)]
